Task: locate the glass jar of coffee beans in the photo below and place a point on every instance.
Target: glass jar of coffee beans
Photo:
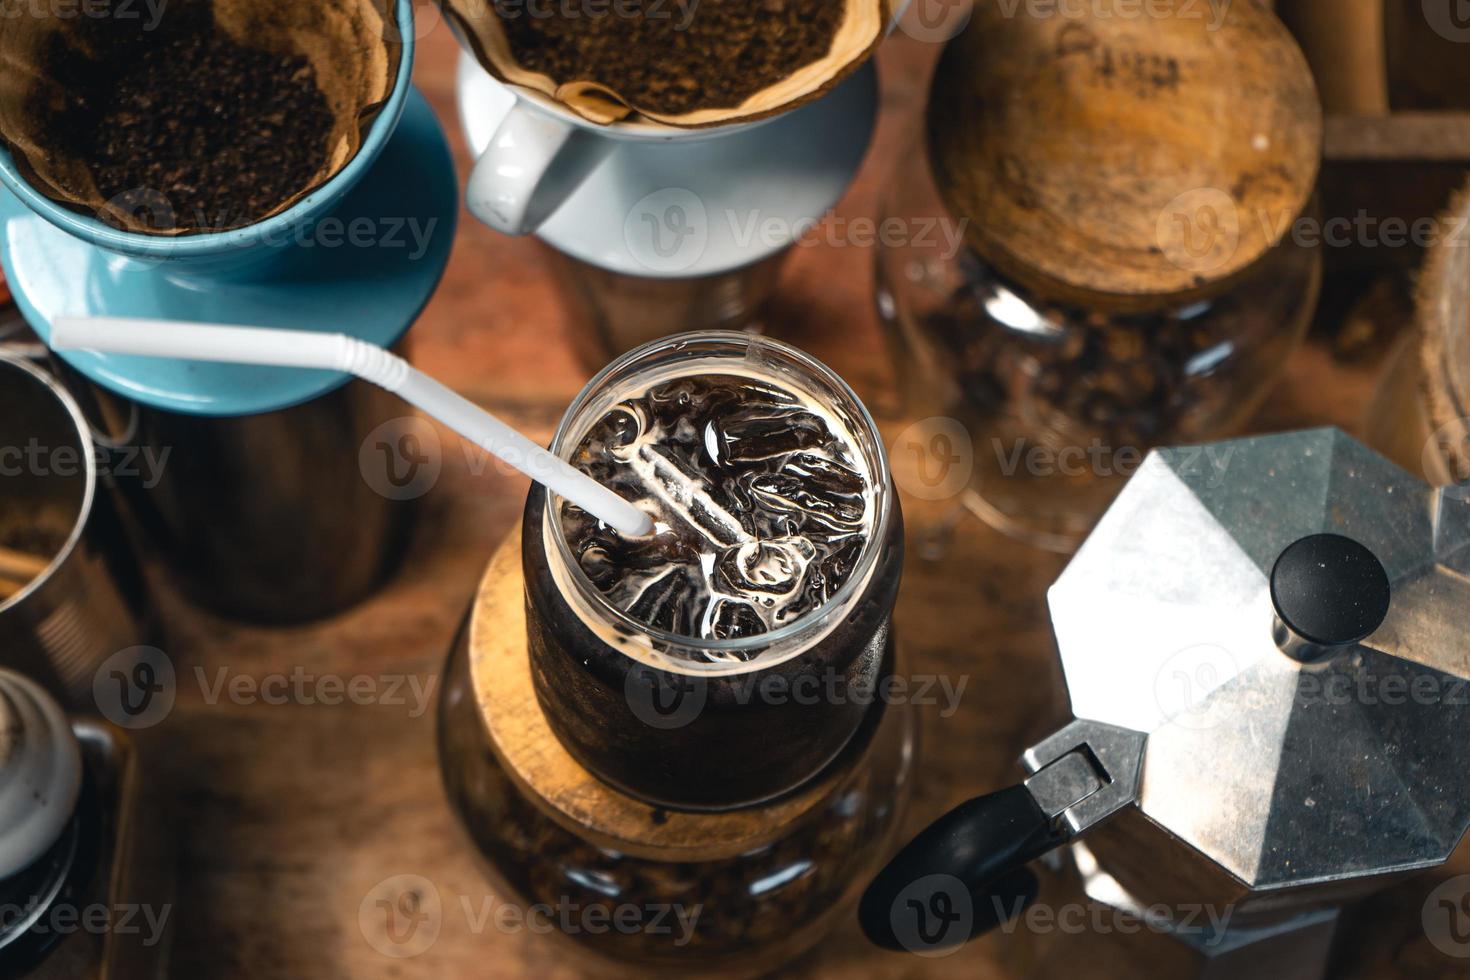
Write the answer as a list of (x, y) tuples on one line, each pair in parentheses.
[(632, 887), (1089, 274)]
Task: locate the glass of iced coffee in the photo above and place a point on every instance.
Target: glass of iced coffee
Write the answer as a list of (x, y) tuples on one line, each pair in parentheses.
[(697, 719), (760, 605)]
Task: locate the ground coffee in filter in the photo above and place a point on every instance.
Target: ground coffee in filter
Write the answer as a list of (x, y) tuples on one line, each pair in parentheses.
[(718, 54), (680, 62), (205, 115)]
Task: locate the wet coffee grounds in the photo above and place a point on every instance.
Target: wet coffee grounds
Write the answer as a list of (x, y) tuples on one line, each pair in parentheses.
[(674, 58), (186, 125)]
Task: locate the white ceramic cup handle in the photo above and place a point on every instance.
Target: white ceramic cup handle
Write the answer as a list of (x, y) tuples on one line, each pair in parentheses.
[(533, 164)]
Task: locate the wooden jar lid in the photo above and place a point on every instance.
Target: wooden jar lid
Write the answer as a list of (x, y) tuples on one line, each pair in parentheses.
[(1443, 315), (1111, 156), (500, 670)]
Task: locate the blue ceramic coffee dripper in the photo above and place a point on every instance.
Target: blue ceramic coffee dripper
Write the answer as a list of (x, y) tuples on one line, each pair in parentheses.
[(255, 506), (298, 269)]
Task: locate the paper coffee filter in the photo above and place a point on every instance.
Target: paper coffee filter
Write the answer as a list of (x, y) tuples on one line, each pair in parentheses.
[(861, 28), (352, 45)]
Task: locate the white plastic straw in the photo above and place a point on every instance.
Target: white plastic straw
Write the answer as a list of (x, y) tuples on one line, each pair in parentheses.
[(339, 352)]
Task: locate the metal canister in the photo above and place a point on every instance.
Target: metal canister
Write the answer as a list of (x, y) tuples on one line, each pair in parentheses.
[(263, 508), (612, 312), (269, 517), (86, 600)]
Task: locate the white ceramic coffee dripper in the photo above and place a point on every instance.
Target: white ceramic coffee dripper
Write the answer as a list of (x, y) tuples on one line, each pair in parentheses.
[(602, 193), (657, 229)]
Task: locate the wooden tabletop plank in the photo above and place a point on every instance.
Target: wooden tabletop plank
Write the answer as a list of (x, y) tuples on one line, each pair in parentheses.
[(1428, 137)]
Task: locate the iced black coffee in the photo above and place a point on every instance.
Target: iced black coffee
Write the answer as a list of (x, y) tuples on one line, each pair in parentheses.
[(761, 510), (735, 651)]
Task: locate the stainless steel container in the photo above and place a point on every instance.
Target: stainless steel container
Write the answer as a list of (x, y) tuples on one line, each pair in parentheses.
[(88, 600), (612, 313), (275, 517)]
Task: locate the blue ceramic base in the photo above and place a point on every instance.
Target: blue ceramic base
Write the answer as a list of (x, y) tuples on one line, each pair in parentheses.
[(371, 282)]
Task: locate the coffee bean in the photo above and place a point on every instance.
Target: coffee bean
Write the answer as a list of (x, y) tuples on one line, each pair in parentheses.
[(738, 904), (1129, 380)]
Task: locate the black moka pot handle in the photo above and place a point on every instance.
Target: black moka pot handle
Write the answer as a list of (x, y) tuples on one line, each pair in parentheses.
[(980, 849), (967, 873)]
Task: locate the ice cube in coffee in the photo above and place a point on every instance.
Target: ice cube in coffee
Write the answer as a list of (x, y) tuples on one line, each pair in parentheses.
[(764, 592), (761, 505)]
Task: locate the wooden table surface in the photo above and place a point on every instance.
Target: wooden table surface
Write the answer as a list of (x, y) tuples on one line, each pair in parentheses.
[(290, 815)]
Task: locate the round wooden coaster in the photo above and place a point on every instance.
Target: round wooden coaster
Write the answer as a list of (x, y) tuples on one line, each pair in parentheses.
[(1125, 155), (500, 669)]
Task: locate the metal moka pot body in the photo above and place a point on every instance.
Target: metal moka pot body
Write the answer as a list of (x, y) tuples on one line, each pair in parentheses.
[(1266, 650)]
